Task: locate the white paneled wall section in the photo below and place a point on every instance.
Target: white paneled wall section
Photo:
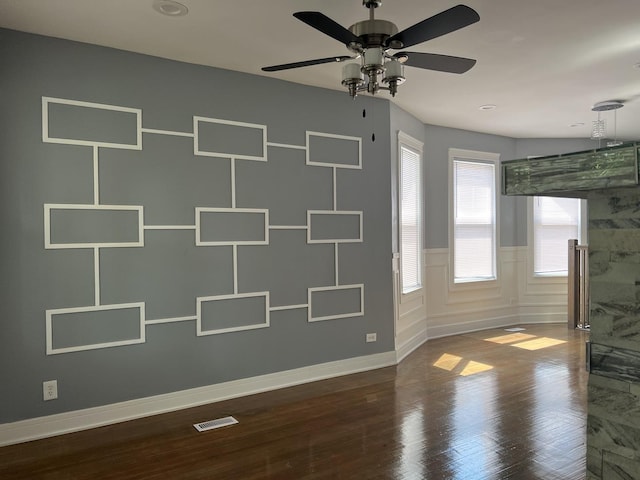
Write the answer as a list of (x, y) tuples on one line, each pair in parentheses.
[(517, 297)]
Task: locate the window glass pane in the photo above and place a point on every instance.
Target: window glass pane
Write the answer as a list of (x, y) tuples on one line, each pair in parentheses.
[(474, 220), (410, 219), (555, 221)]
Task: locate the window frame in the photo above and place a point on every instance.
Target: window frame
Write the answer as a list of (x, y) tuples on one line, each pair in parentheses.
[(582, 239), (474, 156), (407, 142)]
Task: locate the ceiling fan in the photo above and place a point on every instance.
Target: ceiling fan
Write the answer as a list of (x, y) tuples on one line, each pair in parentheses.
[(371, 40)]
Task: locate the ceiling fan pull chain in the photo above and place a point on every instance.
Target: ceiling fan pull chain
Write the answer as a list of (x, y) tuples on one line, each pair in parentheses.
[(373, 120)]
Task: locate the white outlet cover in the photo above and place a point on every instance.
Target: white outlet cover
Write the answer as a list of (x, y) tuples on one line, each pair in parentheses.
[(50, 390)]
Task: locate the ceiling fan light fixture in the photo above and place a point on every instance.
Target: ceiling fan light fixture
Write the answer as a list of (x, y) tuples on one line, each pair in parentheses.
[(393, 75), (373, 61), (352, 78)]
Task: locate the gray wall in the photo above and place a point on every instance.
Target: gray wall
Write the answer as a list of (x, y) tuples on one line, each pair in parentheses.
[(168, 272), (401, 121), (438, 140)]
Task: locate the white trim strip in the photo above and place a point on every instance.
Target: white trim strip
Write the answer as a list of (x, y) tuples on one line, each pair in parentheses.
[(233, 182), (169, 227), (310, 213), (336, 263), (94, 308), (284, 145), (196, 143), (200, 210), (94, 143), (200, 300), (158, 321), (166, 132), (310, 291), (68, 206), (235, 269), (96, 179), (288, 227), (357, 166), (96, 270), (335, 189), (288, 307)]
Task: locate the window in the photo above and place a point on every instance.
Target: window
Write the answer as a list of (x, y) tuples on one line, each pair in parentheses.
[(410, 154), (555, 221), (473, 215)]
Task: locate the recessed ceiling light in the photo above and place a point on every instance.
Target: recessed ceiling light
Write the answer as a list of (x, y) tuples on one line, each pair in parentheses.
[(170, 8), (577, 124), (487, 107)]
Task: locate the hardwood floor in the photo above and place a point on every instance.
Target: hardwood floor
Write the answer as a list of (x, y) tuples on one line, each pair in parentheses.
[(485, 405)]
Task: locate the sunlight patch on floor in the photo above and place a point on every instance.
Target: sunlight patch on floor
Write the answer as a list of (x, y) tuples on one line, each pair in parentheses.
[(475, 367), (448, 362), (525, 341), (539, 343), (463, 367)]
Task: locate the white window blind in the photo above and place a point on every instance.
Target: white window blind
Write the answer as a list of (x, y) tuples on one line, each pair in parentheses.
[(410, 219), (474, 220), (555, 221)]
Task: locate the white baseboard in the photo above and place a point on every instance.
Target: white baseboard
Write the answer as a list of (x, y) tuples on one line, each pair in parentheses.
[(457, 328), (404, 350), (460, 328), (42, 427)]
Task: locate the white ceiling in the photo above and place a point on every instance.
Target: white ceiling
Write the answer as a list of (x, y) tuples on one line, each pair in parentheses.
[(543, 63)]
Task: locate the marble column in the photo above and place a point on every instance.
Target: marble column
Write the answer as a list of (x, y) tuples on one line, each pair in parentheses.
[(608, 178), (613, 424)]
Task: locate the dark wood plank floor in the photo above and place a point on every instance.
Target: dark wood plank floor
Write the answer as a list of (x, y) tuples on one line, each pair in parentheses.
[(485, 405)]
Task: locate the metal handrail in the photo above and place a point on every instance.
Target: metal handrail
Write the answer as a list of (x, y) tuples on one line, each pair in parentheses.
[(578, 286)]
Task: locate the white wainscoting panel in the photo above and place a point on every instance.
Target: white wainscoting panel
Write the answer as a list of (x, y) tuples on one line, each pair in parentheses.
[(516, 297)]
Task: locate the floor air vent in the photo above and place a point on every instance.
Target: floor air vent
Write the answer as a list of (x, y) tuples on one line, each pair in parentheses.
[(217, 423)]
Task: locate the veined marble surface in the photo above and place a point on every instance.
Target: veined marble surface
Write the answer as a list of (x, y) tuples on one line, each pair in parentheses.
[(608, 178), (613, 424), (615, 362), (594, 169)]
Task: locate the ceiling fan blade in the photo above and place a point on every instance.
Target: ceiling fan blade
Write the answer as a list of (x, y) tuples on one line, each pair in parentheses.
[(445, 22), (433, 61), (321, 22), (306, 63)]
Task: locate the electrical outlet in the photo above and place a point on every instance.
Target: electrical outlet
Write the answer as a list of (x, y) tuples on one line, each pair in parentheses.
[(372, 337), (50, 390)]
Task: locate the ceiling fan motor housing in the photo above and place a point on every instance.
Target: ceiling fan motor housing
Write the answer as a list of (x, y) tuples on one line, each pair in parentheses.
[(373, 32), (372, 3)]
